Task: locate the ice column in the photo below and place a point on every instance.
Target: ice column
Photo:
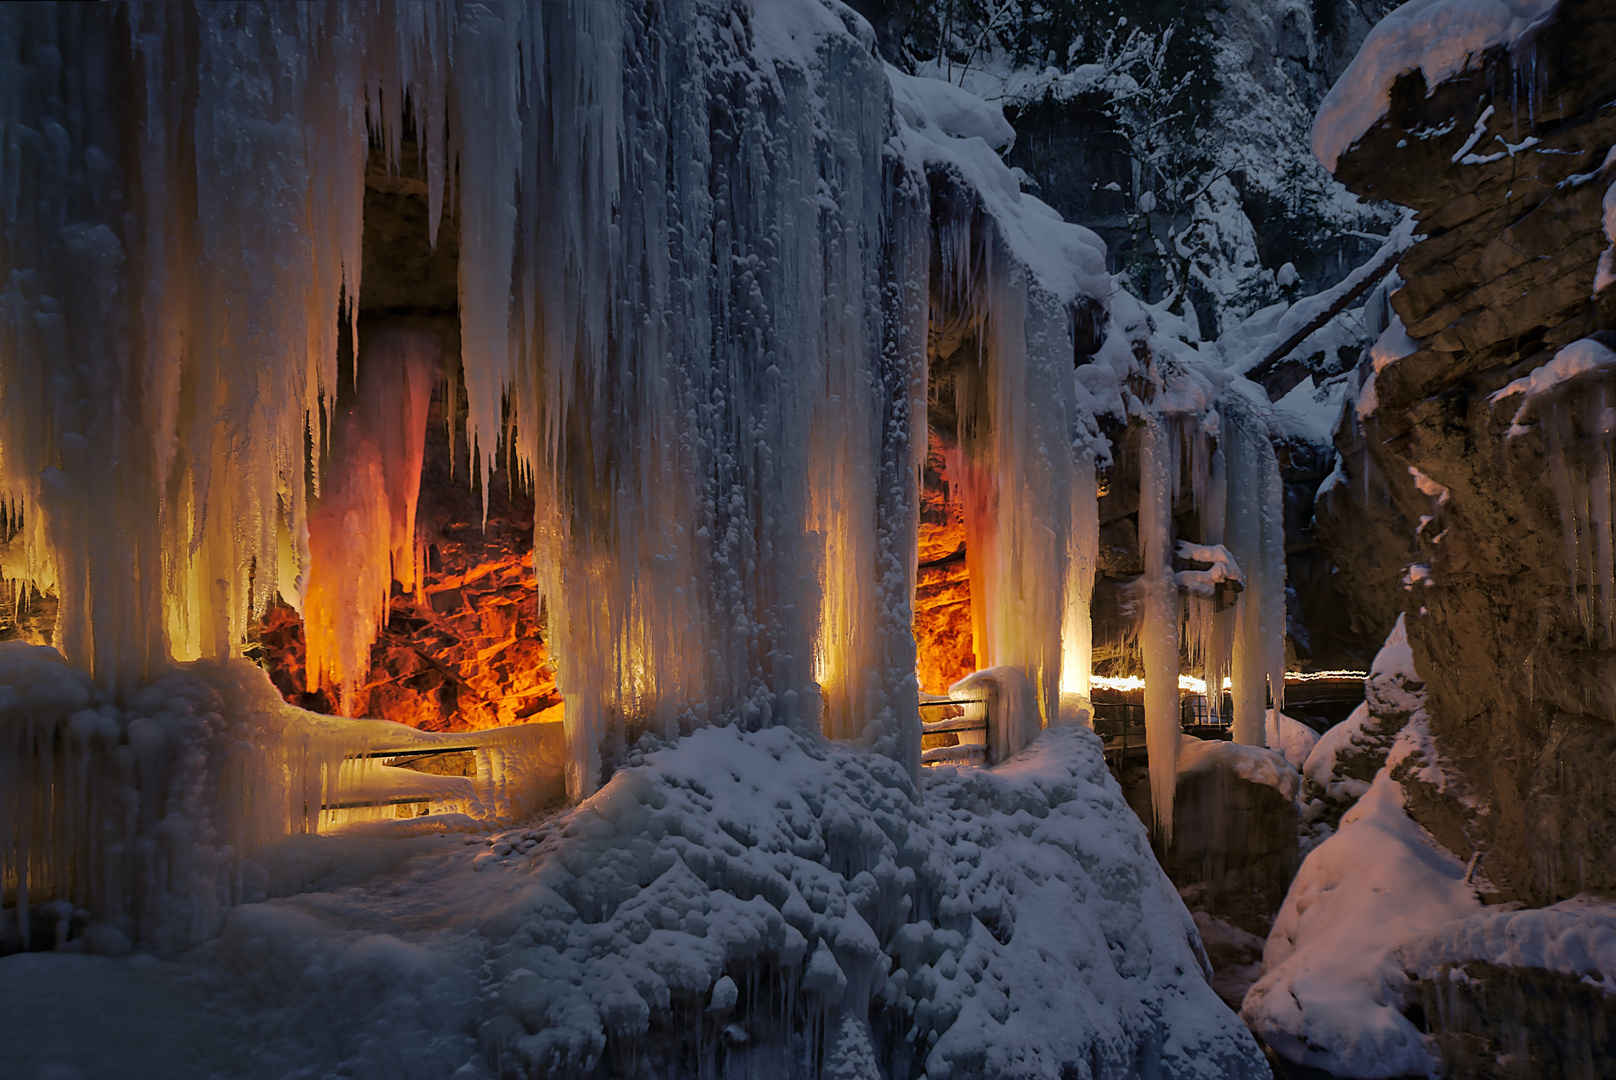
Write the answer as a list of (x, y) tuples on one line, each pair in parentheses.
[(1256, 538), (1158, 627), (715, 384), (1013, 403), (1083, 544), (362, 533)]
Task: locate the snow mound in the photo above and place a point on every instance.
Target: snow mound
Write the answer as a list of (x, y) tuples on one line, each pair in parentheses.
[(1435, 37), (957, 113), (1394, 686), (1331, 994), (944, 125), (1010, 699), (1344, 738), (728, 893)]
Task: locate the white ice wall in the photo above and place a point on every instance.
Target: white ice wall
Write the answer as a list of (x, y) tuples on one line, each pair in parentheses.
[(692, 271)]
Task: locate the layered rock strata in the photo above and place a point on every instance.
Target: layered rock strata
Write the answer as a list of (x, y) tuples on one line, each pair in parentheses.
[(1446, 502)]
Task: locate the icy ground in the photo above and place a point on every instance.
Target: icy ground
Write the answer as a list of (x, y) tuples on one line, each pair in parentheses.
[(717, 899)]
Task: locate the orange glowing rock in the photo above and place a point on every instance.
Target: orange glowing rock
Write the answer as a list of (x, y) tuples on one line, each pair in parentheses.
[(942, 620)]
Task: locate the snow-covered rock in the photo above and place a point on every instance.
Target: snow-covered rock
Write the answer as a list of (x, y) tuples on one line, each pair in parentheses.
[(1292, 738), (1331, 992), (1438, 38)]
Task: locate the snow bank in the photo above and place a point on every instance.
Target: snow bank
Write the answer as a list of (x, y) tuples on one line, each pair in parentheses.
[(146, 821), (951, 127), (934, 103), (764, 904), (1331, 993), (1393, 685), (1435, 37)]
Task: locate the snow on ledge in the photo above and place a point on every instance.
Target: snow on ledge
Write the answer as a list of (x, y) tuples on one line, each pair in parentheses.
[(1575, 937), (1579, 358), (1436, 37), (945, 125)]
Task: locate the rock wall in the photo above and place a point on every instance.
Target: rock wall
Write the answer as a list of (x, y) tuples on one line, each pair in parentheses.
[(942, 618), (1444, 506)]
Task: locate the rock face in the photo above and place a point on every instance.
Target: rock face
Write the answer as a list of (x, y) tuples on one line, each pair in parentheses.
[(1506, 164), (942, 619)]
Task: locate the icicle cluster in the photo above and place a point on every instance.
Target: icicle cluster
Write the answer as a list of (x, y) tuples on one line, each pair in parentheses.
[(1235, 490), (1571, 401), (692, 272), (1028, 496), (1579, 432)]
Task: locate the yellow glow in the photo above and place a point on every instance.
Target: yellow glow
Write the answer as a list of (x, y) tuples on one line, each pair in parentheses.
[(1193, 685)]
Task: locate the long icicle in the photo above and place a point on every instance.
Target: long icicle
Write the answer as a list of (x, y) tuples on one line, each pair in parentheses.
[(1158, 632)]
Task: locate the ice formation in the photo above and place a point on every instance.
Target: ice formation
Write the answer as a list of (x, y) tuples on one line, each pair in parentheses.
[(1159, 621), (1255, 534), (143, 821), (729, 485), (1571, 402), (361, 534), (700, 255)]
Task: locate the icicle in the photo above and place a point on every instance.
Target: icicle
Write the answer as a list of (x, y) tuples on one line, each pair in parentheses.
[(1158, 633), (1579, 434), (1083, 556), (486, 142)]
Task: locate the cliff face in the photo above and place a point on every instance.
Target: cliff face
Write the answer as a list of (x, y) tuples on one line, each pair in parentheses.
[(1458, 486)]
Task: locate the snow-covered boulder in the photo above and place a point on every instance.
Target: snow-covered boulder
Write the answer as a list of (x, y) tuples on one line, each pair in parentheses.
[(1234, 846), (1331, 995)]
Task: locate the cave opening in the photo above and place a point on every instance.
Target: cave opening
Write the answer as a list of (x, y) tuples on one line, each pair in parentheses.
[(452, 634)]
